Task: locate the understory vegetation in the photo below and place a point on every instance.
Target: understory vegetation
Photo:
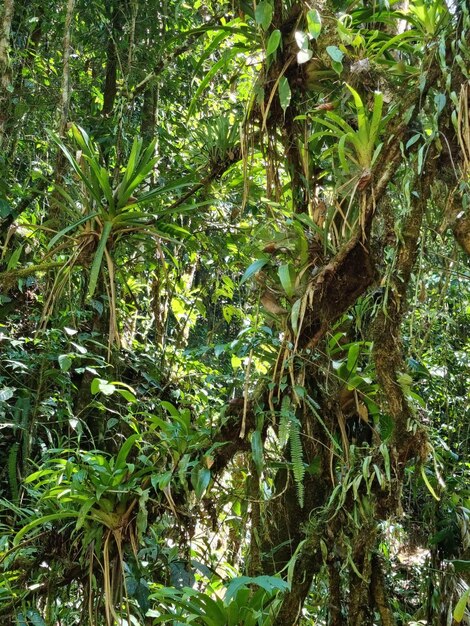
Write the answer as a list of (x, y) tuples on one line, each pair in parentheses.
[(234, 313)]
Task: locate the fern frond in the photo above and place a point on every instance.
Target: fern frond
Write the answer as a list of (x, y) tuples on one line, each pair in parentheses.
[(284, 421), (297, 458)]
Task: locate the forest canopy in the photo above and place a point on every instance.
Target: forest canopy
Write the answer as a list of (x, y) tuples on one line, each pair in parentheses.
[(234, 312)]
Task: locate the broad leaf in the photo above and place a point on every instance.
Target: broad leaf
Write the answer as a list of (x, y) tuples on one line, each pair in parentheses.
[(264, 14), (273, 42), (314, 23)]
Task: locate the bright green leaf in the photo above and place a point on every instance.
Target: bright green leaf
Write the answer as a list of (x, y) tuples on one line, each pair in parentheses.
[(200, 479), (65, 362), (461, 606), (287, 277), (273, 42), (285, 93), (264, 14), (314, 23), (253, 269)]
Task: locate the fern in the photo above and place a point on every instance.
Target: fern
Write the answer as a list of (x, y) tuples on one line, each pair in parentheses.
[(284, 421), (296, 453), (289, 432)]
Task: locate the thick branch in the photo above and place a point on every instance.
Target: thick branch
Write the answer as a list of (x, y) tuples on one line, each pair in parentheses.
[(387, 351)]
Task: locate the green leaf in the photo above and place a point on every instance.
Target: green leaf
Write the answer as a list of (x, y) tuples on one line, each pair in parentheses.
[(460, 565), (335, 53), (301, 39), (386, 456), (124, 451), (268, 583), (285, 93), (6, 393), (107, 389), (353, 354), (96, 267), (461, 606), (99, 385), (127, 395), (131, 163), (257, 450), (336, 57), (5, 208), (172, 410), (14, 258), (428, 484), (314, 23), (200, 479), (65, 362), (376, 119), (235, 361), (264, 14), (286, 275), (273, 42), (295, 315), (96, 194), (254, 268), (63, 515), (303, 56), (412, 140), (173, 186), (95, 385), (34, 617), (227, 55)]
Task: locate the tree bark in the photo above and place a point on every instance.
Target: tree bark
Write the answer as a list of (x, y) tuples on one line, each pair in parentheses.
[(66, 88), (55, 210), (379, 593), (110, 82), (5, 66), (149, 112)]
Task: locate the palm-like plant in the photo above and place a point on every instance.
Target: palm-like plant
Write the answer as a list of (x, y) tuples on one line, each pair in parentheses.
[(107, 497), (242, 604), (355, 146), (108, 211)]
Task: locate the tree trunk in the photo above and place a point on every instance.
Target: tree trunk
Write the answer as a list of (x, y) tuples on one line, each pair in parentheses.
[(149, 113), (55, 210), (110, 82), (66, 89), (5, 66), (379, 593)]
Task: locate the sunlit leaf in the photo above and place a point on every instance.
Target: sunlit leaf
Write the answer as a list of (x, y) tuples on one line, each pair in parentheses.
[(303, 56), (253, 269), (461, 606), (65, 362), (200, 479), (6, 393), (285, 93), (273, 42), (264, 14), (314, 23), (287, 277)]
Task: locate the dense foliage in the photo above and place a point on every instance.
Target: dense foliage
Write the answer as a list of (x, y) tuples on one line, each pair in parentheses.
[(234, 262)]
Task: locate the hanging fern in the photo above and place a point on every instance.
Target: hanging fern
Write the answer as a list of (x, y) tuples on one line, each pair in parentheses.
[(296, 453), (284, 421), (289, 432)]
